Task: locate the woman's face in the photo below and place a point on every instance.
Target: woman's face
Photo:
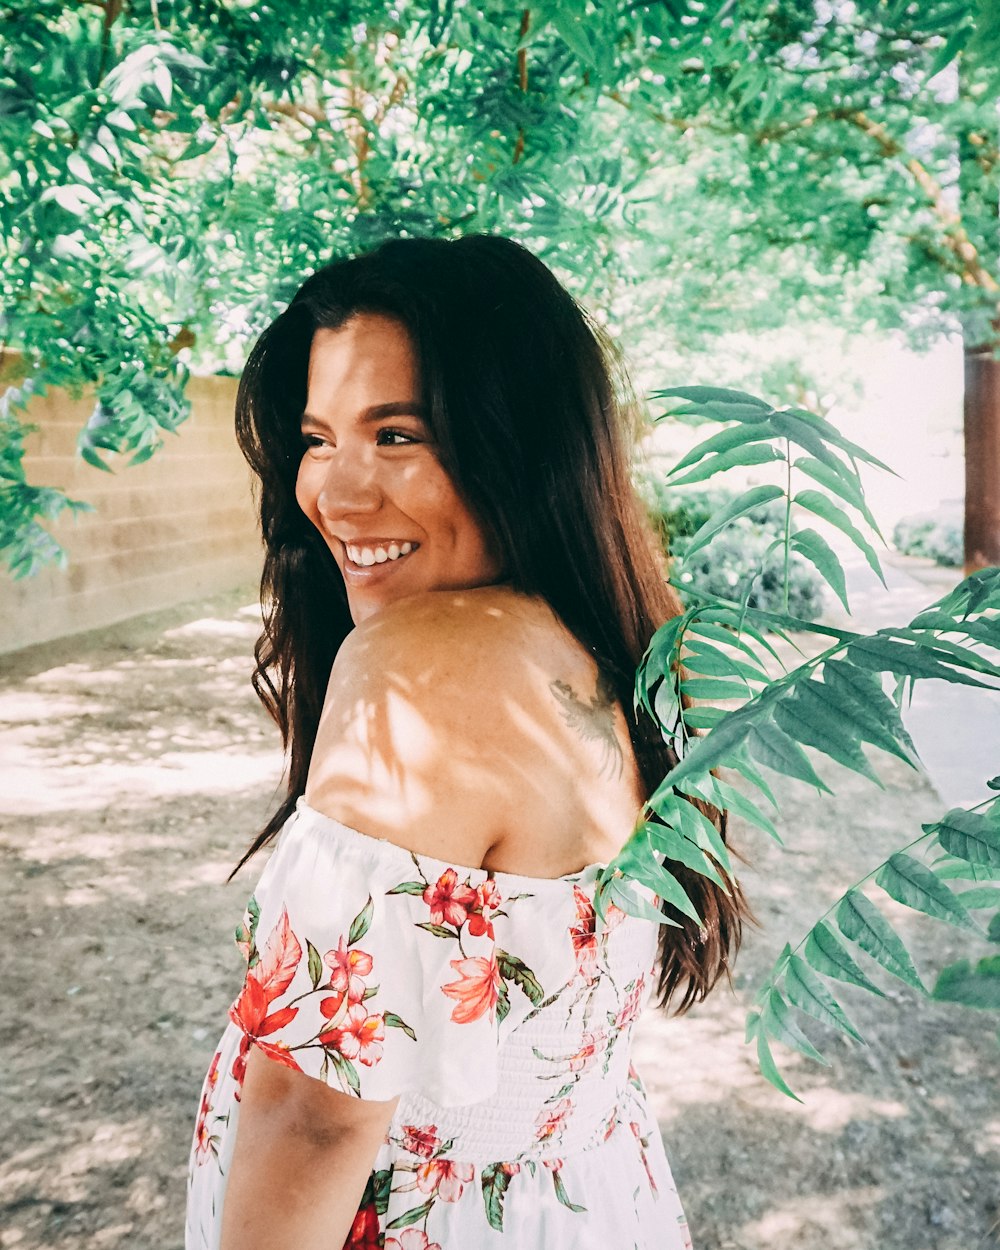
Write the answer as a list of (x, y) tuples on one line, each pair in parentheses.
[(370, 479)]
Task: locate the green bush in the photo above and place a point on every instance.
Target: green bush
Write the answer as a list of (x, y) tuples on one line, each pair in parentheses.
[(736, 554), (936, 535)]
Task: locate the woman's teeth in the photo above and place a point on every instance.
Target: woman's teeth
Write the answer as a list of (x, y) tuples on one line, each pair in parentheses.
[(366, 556)]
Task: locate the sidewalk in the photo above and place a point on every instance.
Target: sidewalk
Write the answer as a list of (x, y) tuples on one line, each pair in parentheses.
[(956, 729)]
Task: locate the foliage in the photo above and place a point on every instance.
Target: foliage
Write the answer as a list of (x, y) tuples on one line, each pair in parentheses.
[(740, 559), (845, 695), (936, 535), (170, 170)]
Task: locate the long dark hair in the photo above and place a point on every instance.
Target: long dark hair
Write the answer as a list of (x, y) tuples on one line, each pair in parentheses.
[(524, 398)]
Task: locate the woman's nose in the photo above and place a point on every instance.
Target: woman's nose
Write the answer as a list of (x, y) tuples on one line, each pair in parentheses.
[(350, 486)]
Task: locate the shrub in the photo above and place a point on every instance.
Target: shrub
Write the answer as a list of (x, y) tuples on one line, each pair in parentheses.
[(723, 567), (936, 535)]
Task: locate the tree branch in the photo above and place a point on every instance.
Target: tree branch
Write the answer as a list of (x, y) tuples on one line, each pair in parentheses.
[(522, 79), (956, 238)]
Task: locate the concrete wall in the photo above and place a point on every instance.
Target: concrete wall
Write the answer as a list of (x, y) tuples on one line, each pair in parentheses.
[(177, 527)]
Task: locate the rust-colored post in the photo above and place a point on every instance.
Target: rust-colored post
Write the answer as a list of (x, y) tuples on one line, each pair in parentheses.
[(982, 458)]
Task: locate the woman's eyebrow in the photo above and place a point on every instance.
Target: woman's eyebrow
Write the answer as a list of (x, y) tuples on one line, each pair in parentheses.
[(378, 412)]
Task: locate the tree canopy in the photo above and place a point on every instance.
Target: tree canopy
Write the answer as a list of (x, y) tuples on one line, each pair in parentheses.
[(171, 169)]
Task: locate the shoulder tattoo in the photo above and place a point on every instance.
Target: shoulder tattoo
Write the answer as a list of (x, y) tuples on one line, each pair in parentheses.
[(593, 721)]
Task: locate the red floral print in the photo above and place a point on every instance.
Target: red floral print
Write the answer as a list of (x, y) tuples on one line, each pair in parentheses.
[(592, 1045), (488, 899), (444, 1178), (584, 936), (264, 983), (477, 990), (347, 967), (411, 1239), (643, 1142), (202, 1137), (450, 903), (421, 1141), (631, 1006), (365, 1233), (359, 1037), (550, 1120), (613, 916)]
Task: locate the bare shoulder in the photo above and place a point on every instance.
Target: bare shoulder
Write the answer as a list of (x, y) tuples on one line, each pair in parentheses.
[(422, 732), (442, 633), (473, 727)]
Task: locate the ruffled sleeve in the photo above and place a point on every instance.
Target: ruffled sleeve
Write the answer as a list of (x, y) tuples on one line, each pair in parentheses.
[(369, 968)]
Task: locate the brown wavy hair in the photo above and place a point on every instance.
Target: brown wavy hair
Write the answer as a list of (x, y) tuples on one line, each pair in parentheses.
[(525, 398)]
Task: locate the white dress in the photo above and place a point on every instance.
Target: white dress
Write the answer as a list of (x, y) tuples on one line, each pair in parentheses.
[(499, 1008)]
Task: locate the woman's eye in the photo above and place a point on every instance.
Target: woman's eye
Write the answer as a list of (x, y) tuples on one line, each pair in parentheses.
[(394, 438), (312, 440)]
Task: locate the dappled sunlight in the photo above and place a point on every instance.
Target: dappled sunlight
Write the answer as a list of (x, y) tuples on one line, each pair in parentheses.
[(819, 1217), (400, 754)]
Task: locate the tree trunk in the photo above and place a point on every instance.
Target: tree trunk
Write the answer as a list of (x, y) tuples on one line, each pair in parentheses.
[(982, 458)]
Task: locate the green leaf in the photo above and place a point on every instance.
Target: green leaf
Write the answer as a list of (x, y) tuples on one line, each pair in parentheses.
[(812, 716), (438, 930), (738, 507), (408, 887), (413, 1216), (914, 885), (713, 688), (860, 921), (977, 986), (806, 990), (669, 842), (950, 868), (494, 1180), (777, 1019), (848, 489), (360, 923), (713, 394), (513, 969), (346, 1071), (825, 952), (635, 861), (618, 892), (830, 434), (702, 657), (773, 748), (836, 516), (971, 836), (814, 548), (886, 655), (392, 1021), (868, 709), (561, 1194), (314, 964), (737, 457), (769, 1069), (981, 897), (697, 827), (704, 717), (725, 441)]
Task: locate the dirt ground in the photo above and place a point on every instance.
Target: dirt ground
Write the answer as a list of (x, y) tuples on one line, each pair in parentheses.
[(137, 766)]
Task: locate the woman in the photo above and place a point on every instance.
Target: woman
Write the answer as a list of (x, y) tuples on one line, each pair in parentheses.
[(431, 1047)]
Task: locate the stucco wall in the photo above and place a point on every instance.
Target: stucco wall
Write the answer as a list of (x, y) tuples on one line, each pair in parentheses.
[(179, 526)]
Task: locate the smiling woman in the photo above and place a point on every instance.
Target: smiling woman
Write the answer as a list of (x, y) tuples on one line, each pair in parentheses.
[(430, 1049), (370, 478)]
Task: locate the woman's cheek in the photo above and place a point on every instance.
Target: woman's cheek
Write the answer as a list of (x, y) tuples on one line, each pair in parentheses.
[(307, 490)]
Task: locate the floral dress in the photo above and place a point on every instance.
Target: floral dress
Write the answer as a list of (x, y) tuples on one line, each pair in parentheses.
[(498, 1007)]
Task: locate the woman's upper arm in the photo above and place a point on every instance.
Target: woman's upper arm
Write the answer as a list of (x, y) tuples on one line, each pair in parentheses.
[(309, 1109)]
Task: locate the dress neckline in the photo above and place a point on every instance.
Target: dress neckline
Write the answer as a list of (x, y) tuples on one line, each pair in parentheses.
[(367, 842)]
